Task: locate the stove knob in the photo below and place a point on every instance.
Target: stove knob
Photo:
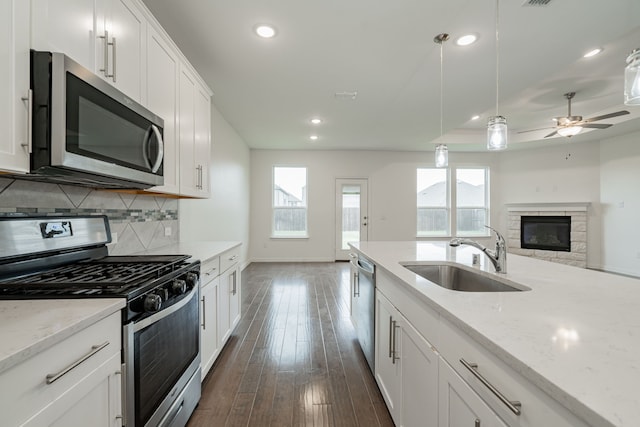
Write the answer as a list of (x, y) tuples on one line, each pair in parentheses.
[(179, 287), (152, 303), (192, 279)]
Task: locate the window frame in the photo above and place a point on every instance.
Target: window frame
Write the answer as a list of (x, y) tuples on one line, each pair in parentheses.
[(452, 203), (293, 235)]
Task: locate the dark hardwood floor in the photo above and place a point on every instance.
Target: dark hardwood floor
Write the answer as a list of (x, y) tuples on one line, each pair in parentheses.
[(293, 359)]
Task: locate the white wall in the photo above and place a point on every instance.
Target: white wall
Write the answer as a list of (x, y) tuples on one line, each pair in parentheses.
[(225, 216), (620, 199), (392, 196), (554, 174)]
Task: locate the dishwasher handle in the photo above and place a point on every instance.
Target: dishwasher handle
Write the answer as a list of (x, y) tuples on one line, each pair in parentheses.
[(365, 266)]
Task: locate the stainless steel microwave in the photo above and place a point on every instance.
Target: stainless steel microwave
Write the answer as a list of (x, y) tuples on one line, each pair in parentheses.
[(86, 132)]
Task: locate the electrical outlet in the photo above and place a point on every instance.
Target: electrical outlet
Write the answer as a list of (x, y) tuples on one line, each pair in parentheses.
[(114, 237), (167, 231)]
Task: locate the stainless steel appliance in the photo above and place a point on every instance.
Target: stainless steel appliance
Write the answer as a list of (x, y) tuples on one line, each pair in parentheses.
[(86, 132), (363, 302), (55, 257)]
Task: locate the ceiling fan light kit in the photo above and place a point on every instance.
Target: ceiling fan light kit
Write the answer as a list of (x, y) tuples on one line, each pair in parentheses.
[(632, 79), (569, 131)]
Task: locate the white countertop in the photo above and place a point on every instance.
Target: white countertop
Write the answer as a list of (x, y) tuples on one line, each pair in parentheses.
[(28, 327), (575, 334), (202, 250)]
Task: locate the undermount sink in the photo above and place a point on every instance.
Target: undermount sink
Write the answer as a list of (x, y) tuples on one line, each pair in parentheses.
[(460, 279)]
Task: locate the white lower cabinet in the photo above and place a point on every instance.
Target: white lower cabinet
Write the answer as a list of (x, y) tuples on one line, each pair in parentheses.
[(219, 305), (431, 373), (406, 368), (94, 401), (209, 347), (75, 383), (459, 405)]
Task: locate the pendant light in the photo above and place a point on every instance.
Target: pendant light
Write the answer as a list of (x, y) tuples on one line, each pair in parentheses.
[(632, 79), (497, 125), (442, 152)]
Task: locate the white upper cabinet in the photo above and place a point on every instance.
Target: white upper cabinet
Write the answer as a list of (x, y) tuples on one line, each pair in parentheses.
[(105, 36), (163, 66), (121, 30), (14, 86), (195, 136)]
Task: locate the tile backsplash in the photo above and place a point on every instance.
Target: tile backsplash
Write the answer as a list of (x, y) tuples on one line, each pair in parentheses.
[(137, 221)]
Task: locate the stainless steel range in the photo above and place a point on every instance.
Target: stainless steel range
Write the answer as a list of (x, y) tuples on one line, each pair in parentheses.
[(55, 257)]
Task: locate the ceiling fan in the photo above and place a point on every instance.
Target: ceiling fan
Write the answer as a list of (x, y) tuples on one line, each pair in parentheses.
[(572, 125)]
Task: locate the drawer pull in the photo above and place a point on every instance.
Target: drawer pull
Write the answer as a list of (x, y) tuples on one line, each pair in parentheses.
[(208, 273), (513, 405), (51, 378), (233, 258)]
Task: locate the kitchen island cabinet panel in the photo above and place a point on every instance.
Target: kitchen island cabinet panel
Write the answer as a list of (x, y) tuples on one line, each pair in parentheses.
[(406, 368)]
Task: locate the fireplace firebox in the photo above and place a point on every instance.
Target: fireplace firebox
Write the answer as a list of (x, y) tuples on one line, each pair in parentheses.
[(552, 233)]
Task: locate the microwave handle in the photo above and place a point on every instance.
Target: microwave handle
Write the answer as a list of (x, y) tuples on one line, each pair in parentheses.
[(160, 156)]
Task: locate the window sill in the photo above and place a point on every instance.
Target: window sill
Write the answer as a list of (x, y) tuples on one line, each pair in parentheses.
[(290, 237)]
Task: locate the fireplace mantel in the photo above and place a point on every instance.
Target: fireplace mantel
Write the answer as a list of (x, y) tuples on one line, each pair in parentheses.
[(548, 207)]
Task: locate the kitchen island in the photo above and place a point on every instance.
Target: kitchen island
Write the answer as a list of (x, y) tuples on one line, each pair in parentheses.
[(575, 335)]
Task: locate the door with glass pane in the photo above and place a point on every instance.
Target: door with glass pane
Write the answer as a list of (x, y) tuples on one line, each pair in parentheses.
[(351, 214)]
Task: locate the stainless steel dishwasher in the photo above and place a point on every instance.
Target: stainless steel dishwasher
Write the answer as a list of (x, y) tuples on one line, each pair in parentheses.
[(363, 294)]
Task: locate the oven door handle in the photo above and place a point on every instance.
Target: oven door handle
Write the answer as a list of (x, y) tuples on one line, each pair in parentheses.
[(167, 311)]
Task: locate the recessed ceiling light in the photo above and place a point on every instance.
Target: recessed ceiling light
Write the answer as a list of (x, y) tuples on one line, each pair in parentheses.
[(476, 117), (313, 137), (265, 31), (316, 121), (593, 52), (466, 40)]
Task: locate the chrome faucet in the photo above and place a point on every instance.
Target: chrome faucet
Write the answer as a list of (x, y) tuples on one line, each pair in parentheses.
[(498, 257)]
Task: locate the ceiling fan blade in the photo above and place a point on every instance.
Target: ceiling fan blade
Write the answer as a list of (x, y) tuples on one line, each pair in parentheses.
[(596, 125), (534, 130), (606, 116), (551, 134)]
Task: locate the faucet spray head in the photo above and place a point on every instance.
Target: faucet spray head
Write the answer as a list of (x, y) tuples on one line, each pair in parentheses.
[(454, 242)]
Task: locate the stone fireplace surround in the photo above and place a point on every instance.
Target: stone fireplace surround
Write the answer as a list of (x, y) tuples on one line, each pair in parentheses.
[(578, 213)]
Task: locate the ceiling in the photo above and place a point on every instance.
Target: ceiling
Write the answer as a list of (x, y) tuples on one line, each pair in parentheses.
[(269, 89)]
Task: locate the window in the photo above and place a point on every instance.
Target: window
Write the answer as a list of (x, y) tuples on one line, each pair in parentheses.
[(443, 209), (433, 202), (289, 202), (472, 213)]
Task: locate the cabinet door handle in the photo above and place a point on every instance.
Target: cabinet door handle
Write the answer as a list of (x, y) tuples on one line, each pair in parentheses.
[(356, 285), (51, 378), (477, 423), (204, 318), (233, 282), (395, 350), (105, 50), (113, 47), (513, 405), (390, 336), (29, 100)]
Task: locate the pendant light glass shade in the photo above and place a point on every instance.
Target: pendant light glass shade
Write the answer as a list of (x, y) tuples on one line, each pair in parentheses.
[(496, 133), (632, 79), (442, 156)]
